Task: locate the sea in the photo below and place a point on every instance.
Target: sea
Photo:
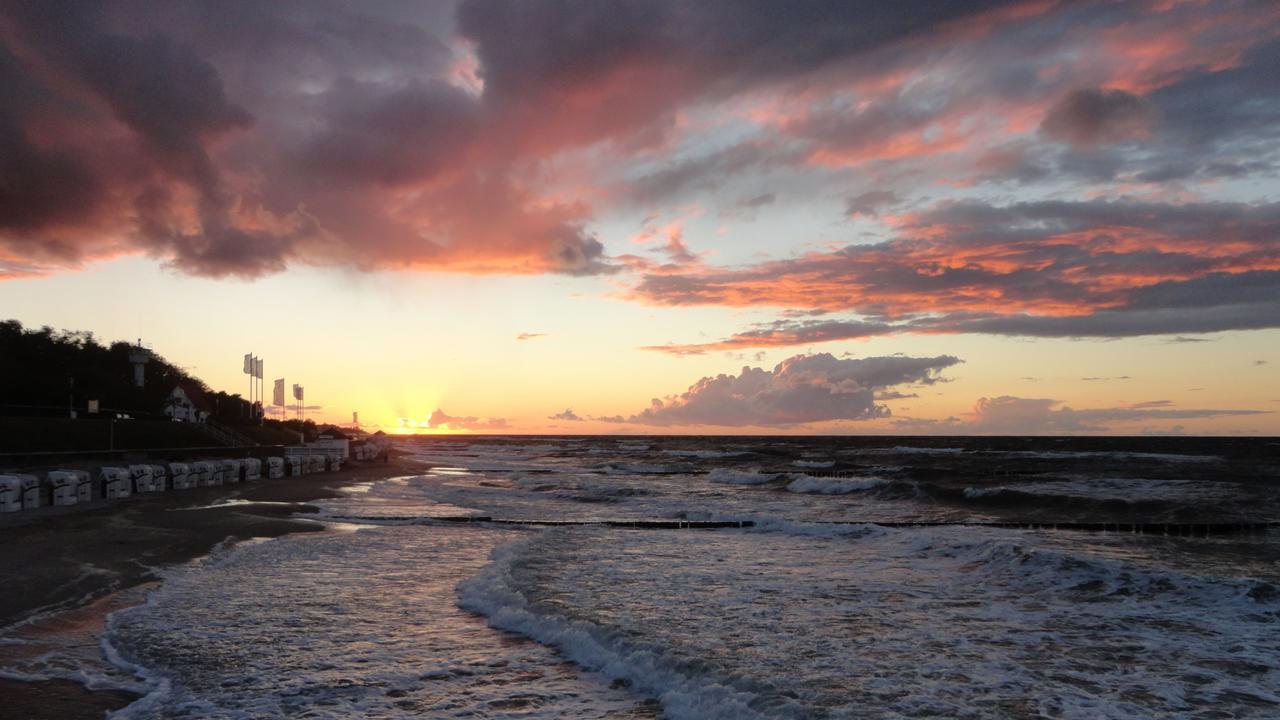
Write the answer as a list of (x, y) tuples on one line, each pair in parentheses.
[(732, 577)]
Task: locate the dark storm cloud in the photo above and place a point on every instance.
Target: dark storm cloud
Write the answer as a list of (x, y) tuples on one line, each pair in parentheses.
[(870, 202), (235, 138), (758, 201), (530, 48), (390, 138), (39, 186), (1092, 116), (1106, 269)]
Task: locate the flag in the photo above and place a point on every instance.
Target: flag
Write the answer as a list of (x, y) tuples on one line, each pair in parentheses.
[(355, 418), (277, 394), (248, 364), (261, 364), (297, 392)]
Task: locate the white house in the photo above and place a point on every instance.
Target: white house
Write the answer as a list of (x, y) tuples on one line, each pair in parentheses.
[(187, 403)]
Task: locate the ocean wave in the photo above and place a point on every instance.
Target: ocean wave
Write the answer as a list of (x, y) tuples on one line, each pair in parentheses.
[(706, 454), (684, 693), (814, 464), (833, 486), (740, 477), (1081, 577), (1113, 454), (623, 468), (1151, 497)]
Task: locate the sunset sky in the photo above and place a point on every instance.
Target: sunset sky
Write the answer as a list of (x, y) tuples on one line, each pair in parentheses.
[(665, 216)]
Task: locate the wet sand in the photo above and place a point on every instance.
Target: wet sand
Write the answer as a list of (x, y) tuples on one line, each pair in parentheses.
[(58, 559)]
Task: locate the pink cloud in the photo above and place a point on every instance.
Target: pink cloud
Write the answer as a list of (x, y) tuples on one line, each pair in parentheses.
[(801, 389)]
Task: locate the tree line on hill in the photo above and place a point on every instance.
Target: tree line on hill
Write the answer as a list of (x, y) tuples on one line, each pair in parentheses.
[(51, 372)]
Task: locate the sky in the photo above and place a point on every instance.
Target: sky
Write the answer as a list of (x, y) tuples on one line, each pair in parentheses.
[(664, 216)]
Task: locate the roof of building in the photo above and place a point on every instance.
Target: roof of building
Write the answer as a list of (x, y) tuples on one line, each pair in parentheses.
[(194, 393)]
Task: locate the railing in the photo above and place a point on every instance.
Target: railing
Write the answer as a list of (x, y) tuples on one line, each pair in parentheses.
[(225, 434)]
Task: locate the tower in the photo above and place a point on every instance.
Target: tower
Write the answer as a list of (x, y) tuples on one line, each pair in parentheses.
[(139, 357)]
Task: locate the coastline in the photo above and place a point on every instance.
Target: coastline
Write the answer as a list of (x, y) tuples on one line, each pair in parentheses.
[(57, 562)]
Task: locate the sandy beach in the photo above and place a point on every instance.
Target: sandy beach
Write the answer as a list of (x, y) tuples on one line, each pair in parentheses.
[(68, 561)]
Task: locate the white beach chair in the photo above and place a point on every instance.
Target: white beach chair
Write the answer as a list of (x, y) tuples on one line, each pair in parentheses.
[(159, 477), (10, 493), (64, 486), (180, 477), (231, 471), (252, 469), (34, 492), (140, 475), (116, 482), (84, 486), (275, 468)]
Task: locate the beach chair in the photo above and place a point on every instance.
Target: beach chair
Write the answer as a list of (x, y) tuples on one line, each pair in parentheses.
[(211, 473), (275, 468), (252, 469), (10, 493), (231, 471), (64, 486), (295, 466), (84, 486), (115, 482), (180, 477), (35, 493), (159, 478), (140, 476), (335, 463), (199, 470)]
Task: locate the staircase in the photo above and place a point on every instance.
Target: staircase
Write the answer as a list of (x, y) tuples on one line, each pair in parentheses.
[(225, 435)]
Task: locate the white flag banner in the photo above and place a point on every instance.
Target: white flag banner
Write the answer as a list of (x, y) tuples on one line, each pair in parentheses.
[(277, 395), (261, 365), (248, 363)]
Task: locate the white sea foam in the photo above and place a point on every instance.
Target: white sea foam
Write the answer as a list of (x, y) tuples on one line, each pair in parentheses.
[(912, 450), (1117, 455), (341, 626), (954, 622), (1118, 488), (628, 468), (495, 593), (833, 486), (807, 614), (706, 454), (740, 477), (814, 464)]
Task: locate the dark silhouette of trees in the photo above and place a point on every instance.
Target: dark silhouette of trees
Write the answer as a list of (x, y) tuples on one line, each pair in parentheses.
[(43, 371)]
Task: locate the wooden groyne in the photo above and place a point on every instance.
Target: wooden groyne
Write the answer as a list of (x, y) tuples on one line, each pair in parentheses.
[(1167, 529)]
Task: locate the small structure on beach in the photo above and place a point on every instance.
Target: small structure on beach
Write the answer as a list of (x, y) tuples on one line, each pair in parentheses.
[(10, 493), (333, 441), (65, 485), (115, 482)]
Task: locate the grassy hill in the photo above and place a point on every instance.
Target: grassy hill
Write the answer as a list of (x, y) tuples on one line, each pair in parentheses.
[(38, 434)]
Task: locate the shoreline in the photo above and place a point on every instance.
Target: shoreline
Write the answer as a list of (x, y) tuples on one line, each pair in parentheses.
[(67, 561)]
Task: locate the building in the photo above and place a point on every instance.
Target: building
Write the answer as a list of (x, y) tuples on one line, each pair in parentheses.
[(187, 403), (333, 440)]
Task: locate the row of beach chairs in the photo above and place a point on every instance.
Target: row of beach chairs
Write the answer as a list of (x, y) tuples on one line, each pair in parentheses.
[(74, 487)]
